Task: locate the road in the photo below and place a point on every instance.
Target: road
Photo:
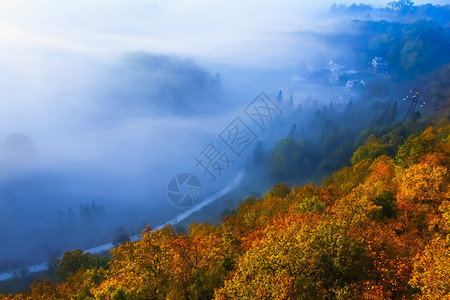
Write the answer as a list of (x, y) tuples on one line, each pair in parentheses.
[(177, 219)]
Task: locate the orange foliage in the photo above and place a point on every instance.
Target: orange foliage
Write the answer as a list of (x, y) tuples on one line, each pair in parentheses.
[(376, 230)]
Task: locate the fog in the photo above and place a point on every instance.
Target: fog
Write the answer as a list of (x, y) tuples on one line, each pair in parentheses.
[(103, 102)]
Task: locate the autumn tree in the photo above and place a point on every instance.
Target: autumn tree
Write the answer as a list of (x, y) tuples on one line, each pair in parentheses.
[(76, 260), (139, 270), (432, 270)]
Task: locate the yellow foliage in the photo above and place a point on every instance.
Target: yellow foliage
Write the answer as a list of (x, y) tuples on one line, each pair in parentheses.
[(432, 270), (376, 230)]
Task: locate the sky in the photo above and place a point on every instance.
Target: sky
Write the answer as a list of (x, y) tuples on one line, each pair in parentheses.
[(228, 31)]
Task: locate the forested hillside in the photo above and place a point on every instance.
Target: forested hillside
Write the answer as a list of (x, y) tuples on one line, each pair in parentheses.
[(376, 230)]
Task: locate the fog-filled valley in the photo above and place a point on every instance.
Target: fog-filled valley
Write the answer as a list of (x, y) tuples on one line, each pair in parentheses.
[(103, 104)]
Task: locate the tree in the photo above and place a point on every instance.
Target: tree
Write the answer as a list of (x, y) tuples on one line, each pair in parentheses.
[(121, 239), (280, 190), (139, 270), (299, 262), (370, 150), (76, 260), (432, 271), (423, 184), (43, 288), (415, 147)]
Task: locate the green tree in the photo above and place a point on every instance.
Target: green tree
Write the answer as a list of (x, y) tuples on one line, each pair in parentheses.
[(370, 150), (414, 148), (76, 260)]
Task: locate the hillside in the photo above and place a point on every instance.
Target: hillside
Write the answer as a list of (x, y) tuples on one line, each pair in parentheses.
[(378, 229)]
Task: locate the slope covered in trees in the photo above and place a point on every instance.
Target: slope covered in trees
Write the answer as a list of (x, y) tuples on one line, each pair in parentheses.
[(376, 230)]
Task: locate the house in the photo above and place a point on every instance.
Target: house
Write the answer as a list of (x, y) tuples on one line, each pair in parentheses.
[(379, 65)]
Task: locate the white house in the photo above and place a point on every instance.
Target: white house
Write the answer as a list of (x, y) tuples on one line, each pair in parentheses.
[(379, 65)]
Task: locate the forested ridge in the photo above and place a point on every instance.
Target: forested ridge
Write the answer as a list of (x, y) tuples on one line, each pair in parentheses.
[(376, 230)]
